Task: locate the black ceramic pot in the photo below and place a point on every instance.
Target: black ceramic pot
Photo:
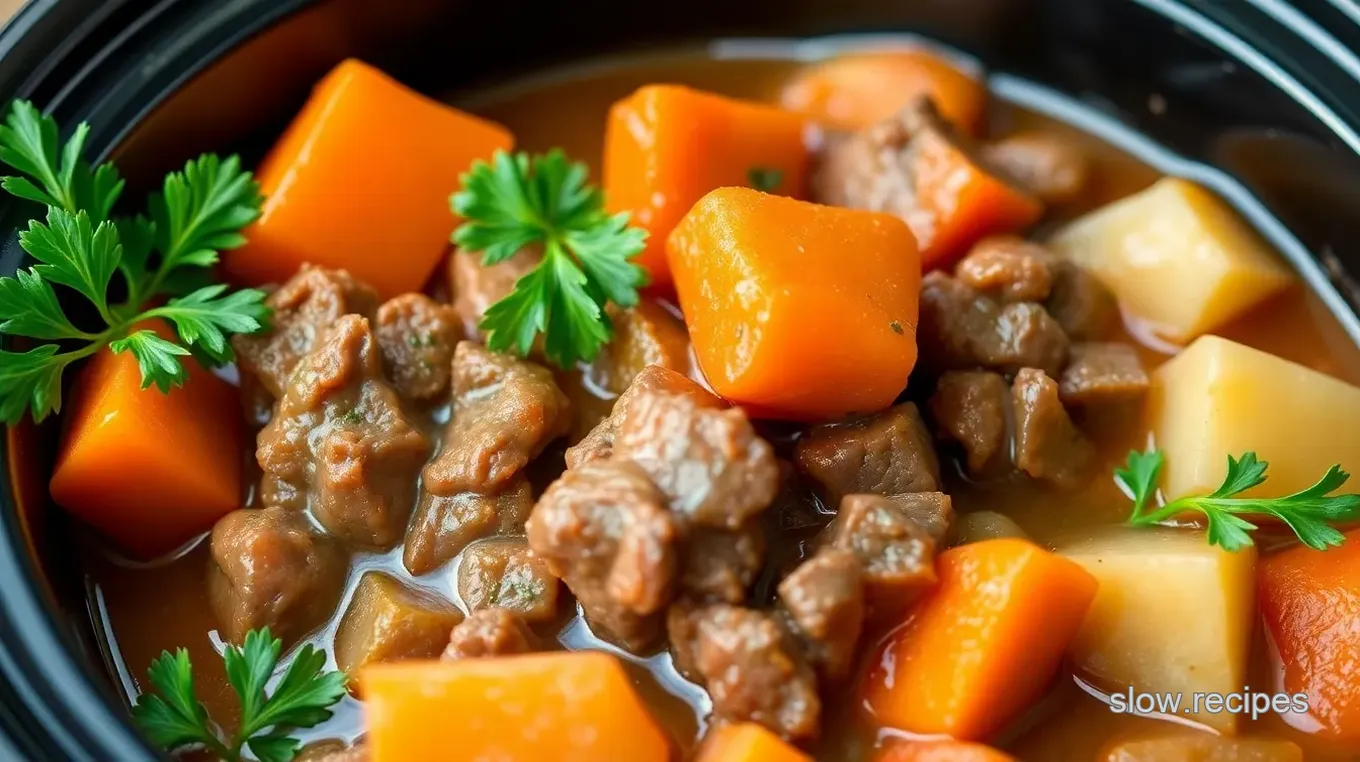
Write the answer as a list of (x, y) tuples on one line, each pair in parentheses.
[(1265, 91)]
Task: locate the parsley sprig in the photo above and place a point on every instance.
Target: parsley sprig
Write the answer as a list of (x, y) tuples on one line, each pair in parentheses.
[(544, 200), (119, 265), (1310, 512), (173, 718)]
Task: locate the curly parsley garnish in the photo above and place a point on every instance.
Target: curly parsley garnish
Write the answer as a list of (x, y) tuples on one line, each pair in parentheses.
[(135, 260), (171, 715), (518, 201), (1309, 512)]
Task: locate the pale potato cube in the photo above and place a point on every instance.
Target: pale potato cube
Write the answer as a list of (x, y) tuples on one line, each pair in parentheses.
[(1173, 614), (1176, 257), (1195, 746), (388, 621), (1219, 397)]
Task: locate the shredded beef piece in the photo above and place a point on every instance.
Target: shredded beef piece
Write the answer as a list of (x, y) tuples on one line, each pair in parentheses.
[(897, 553), (490, 632), (1007, 268), (1102, 373), (599, 443), (1047, 444), (825, 600), (887, 453), (417, 336), (970, 407)]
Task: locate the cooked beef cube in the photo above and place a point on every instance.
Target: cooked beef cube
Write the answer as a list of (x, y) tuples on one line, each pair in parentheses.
[(304, 309), (605, 531), (490, 632), (388, 621), (1099, 373), (970, 407), (477, 286), (644, 335), (333, 751), (897, 553), (1047, 444), (751, 666), (417, 336), (1081, 304), (270, 569), (825, 599), (443, 526), (1007, 268), (1048, 166), (503, 574), (505, 411), (719, 565), (341, 443), (599, 443), (932, 511), (961, 328), (888, 453), (710, 464)]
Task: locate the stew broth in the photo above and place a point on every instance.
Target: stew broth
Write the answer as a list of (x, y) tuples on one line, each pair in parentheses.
[(143, 609)]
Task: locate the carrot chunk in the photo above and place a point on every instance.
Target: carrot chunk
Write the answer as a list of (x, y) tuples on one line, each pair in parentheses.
[(667, 145), (942, 751), (361, 181), (149, 470), (566, 707), (797, 310), (1311, 605), (747, 742), (862, 89), (985, 644)]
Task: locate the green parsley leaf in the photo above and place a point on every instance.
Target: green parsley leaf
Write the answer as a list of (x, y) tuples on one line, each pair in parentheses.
[(765, 180), (1310, 513), (171, 715), (519, 201), (198, 212)]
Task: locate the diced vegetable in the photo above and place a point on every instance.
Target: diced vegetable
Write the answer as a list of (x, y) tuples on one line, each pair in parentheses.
[(566, 707), (861, 89), (361, 181), (388, 621), (667, 145), (1176, 257), (798, 310), (978, 526), (1218, 398), (149, 470), (942, 751), (1191, 746), (746, 742), (982, 647), (1311, 605), (1150, 577)]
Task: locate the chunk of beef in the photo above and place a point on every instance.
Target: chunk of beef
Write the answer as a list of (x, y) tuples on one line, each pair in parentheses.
[(1007, 268), (825, 600), (1047, 444), (341, 444), (333, 751), (895, 167), (961, 328), (477, 286), (970, 407), (443, 526), (388, 621), (490, 632), (897, 554), (751, 666), (599, 443), (645, 334), (887, 453), (417, 336), (503, 574), (932, 511), (269, 569), (1080, 303), (605, 531), (710, 464), (505, 411), (304, 310), (720, 565), (1102, 373), (1048, 166)]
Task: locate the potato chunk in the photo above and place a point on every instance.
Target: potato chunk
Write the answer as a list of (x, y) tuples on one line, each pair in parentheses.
[(1176, 256), (388, 621), (1191, 746), (1151, 579), (1220, 398)]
